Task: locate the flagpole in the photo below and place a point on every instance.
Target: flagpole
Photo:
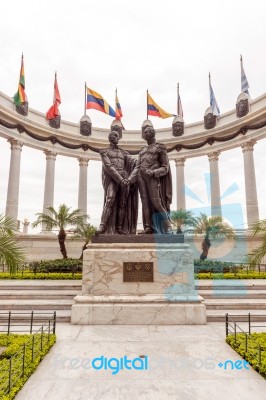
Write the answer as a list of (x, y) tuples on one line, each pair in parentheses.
[(210, 86), (178, 98), (147, 103), (85, 105)]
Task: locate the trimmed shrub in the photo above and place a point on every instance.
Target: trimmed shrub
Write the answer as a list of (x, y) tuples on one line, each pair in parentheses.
[(61, 265)]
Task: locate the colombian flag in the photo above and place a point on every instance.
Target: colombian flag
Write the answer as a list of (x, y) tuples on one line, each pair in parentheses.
[(96, 101), (53, 111), (118, 109), (154, 110), (20, 97)]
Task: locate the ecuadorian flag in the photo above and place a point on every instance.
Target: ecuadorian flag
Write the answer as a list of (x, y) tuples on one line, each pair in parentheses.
[(154, 110), (96, 101)]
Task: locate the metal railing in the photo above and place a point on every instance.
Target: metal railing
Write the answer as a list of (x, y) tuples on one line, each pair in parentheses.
[(232, 328), (27, 353), (26, 322)]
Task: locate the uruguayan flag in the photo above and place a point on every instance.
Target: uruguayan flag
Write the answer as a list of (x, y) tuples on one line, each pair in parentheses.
[(244, 81), (213, 103)]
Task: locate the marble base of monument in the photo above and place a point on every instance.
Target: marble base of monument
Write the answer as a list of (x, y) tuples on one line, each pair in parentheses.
[(138, 283)]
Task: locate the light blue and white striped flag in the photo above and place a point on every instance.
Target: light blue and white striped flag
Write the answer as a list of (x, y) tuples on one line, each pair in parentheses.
[(244, 81), (213, 102)]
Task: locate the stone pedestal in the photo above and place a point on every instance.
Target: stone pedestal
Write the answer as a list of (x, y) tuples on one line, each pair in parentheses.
[(169, 299)]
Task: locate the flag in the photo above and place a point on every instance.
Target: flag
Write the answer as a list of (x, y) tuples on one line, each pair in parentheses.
[(213, 102), (118, 110), (97, 102), (154, 110), (20, 97), (244, 81), (53, 111)]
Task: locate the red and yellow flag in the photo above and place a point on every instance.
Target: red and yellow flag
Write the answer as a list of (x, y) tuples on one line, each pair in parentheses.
[(54, 110)]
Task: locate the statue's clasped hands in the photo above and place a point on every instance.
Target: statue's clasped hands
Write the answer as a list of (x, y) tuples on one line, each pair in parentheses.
[(125, 182)]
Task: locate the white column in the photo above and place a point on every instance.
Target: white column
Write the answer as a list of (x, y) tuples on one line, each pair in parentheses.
[(215, 184), (83, 176), (250, 183), (13, 179), (48, 198), (180, 183)]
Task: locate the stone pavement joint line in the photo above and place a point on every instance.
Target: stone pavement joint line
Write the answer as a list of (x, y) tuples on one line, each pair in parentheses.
[(182, 364)]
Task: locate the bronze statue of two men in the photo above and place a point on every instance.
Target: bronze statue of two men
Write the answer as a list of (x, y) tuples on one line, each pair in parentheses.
[(123, 176)]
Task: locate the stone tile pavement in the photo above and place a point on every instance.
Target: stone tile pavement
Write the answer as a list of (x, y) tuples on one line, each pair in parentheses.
[(182, 364)]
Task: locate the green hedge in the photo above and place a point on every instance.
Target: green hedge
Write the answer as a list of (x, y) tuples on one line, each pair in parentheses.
[(228, 275), (252, 355), (217, 266), (61, 265), (43, 275), (14, 347)]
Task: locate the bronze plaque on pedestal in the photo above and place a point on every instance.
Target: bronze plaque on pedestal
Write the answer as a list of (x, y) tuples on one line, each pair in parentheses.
[(137, 272)]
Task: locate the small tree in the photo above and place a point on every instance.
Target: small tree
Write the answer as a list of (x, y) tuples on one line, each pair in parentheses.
[(212, 227), (60, 219), (256, 256), (85, 231), (182, 218), (11, 253)]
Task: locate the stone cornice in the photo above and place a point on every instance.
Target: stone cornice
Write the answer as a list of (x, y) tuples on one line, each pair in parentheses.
[(230, 132)]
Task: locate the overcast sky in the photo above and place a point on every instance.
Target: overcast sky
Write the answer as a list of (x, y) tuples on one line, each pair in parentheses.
[(134, 46)]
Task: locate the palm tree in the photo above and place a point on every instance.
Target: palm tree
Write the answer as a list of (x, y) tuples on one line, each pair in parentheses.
[(212, 227), (85, 231), (182, 218), (256, 256), (11, 253), (60, 219)]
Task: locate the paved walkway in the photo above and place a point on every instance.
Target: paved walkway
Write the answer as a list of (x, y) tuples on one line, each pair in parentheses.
[(182, 364)]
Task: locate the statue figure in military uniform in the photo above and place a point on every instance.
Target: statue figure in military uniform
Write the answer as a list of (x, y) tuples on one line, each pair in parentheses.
[(155, 185), (120, 210)]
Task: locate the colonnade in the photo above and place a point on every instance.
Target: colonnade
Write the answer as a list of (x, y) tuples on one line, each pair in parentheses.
[(48, 199)]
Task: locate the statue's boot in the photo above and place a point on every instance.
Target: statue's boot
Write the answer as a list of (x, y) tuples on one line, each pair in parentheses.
[(105, 217)]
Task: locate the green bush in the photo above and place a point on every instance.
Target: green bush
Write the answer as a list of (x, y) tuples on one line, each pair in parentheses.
[(254, 340), (228, 275), (41, 275), (61, 265), (15, 348), (216, 266)]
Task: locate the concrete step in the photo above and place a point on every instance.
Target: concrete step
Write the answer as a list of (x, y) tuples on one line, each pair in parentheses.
[(38, 294), (231, 284), (232, 294), (35, 305), (235, 304), (40, 285), (219, 315)]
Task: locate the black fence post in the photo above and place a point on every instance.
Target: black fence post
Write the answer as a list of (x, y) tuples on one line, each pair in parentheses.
[(10, 375), (9, 321), (49, 328), (23, 360), (259, 357), (54, 322), (226, 324), (31, 322), (249, 324), (41, 337), (32, 349)]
